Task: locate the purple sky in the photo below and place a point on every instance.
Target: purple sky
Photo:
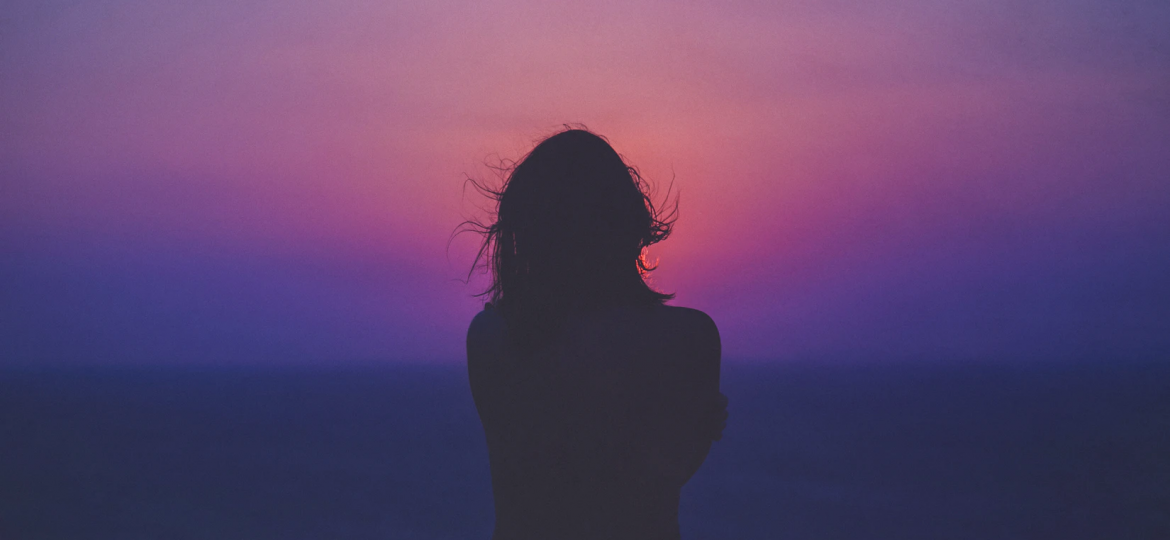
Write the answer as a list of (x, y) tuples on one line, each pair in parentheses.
[(275, 182)]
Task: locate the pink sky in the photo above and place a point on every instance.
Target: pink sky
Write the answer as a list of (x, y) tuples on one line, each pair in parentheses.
[(277, 181)]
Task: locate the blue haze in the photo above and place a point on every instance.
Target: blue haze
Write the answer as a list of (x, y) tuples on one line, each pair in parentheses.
[(1061, 451)]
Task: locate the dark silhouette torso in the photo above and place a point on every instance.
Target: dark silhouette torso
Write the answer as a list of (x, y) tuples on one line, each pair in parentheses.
[(595, 435)]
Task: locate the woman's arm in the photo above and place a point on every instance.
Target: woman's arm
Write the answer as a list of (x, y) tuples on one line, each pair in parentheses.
[(485, 337), (690, 412)]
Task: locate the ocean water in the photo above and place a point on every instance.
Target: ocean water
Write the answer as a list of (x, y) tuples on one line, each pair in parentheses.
[(850, 452)]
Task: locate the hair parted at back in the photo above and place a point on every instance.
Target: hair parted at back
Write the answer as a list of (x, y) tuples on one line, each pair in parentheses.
[(571, 226)]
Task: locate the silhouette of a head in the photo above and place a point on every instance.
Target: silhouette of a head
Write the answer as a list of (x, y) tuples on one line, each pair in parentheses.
[(572, 224)]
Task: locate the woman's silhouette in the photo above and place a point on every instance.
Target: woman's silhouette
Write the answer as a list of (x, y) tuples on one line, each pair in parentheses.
[(598, 401)]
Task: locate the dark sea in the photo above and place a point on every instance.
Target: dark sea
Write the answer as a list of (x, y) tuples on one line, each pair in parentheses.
[(810, 452)]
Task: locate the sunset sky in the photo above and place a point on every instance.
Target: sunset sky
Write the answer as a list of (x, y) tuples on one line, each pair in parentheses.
[(272, 182)]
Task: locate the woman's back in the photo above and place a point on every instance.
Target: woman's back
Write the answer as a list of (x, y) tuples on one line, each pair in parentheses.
[(594, 434), (598, 401)]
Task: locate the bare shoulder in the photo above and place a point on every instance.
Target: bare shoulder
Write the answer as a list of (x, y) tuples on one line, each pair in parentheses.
[(485, 334), (692, 338), (689, 323)]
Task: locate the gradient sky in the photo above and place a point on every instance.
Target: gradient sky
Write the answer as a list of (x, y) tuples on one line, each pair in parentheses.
[(275, 182)]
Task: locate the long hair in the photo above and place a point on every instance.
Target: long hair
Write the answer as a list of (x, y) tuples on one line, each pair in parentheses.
[(571, 226)]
